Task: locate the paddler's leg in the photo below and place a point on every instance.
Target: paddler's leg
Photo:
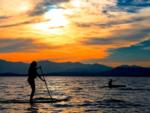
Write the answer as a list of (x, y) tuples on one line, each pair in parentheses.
[(33, 91)]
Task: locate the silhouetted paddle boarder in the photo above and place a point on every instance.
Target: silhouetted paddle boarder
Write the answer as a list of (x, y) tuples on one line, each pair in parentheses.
[(32, 74), (110, 83)]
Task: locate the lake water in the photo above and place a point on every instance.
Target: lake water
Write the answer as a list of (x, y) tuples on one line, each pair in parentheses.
[(86, 95)]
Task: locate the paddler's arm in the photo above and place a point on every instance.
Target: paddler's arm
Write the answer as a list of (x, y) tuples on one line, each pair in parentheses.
[(42, 78), (38, 67)]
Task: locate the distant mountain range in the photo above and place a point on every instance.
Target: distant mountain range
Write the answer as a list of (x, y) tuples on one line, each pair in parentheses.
[(72, 68), (126, 70), (53, 67)]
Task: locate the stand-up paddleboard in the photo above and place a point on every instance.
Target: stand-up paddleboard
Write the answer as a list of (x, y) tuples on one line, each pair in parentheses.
[(36, 100), (117, 86), (114, 86)]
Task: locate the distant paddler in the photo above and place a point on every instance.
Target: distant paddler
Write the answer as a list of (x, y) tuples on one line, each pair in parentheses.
[(110, 85)]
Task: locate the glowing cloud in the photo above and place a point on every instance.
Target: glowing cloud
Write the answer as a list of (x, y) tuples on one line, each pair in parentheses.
[(79, 30)]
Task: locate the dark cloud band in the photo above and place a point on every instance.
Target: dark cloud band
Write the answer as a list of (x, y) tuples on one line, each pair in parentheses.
[(19, 45), (45, 6)]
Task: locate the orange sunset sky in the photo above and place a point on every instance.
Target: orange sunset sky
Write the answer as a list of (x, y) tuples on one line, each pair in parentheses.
[(111, 32)]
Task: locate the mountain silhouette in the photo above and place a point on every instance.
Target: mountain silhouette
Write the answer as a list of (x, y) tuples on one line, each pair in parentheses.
[(13, 67), (73, 68), (125, 70), (52, 67)]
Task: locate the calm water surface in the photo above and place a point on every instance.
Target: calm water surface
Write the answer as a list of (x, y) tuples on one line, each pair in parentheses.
[(87, 95)]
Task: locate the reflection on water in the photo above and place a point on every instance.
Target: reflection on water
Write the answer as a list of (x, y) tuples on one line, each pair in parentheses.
[(87, 95)]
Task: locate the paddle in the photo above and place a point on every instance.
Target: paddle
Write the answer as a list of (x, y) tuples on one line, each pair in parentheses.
[(49, 92)]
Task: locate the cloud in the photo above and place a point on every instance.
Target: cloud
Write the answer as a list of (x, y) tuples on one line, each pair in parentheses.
[(45, 6), (16, 24), (138, 52), (16, 7), (20, 45), (112, 15), (129, 6), (3, 17), (124, 21), (132, 6), (29, 21), (137, 3), (119, 37), (40, 9), (114, 22), (101, 27)]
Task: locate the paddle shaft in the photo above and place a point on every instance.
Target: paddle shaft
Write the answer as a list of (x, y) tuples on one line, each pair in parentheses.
[(46, 84), (47, 88)]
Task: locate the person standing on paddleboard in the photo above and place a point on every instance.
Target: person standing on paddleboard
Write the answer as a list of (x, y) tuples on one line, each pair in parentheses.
[(110, 83), (32, 74)]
